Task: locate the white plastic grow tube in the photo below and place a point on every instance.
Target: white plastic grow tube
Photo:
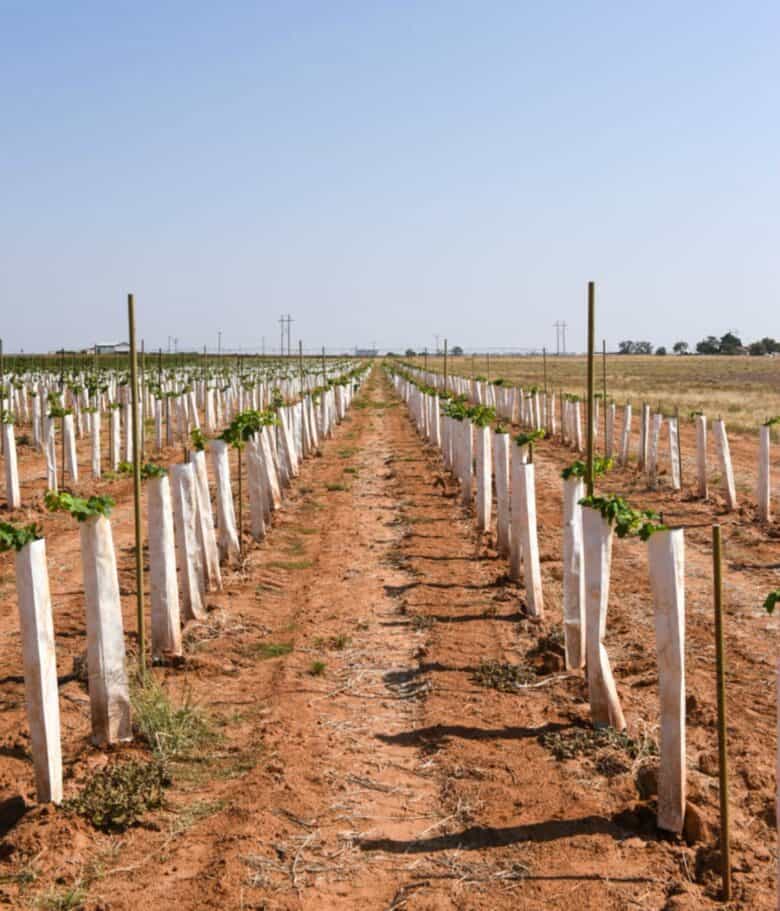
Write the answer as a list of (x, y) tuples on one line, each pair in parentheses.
[(666, 559), (40, 669), (573, 576), (597, 560), (109, 696), (166, 619)]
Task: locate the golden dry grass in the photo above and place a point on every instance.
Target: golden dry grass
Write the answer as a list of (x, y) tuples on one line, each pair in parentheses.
[(744, 391)]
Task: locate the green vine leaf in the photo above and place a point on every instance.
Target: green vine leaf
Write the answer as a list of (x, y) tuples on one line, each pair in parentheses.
[(81, 509), (481, 415), (523, 439), (199, 439), (626, 521), (579, 469), (15, 537)]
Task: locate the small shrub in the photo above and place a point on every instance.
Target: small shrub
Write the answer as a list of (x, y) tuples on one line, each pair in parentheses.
[(70, 898), (317, 668), (173, 732), (116, 797), (266, 650)]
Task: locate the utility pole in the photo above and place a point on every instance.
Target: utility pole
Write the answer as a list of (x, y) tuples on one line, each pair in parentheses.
[(289, 345), (281, 343), (219, 341), (557, 325), (563, 328)]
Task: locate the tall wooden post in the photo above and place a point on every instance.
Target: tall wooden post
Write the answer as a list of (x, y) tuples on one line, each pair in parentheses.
[(445, 364), (2, 390), (143, 399), (723, 769), (591, 344), (139, 561), (604, 387)]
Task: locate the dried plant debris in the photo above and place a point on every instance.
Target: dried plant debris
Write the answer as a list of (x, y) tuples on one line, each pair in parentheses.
[(506, 678), (611, 752)]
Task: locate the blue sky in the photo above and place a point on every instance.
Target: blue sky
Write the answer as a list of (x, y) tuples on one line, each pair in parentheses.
[(388, 171)]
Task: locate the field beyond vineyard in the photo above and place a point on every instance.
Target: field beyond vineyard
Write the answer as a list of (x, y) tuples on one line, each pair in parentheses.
[(743, 390), (376, 721)]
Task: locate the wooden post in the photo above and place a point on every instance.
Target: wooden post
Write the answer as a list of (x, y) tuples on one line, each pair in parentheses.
[(2, 390), (725, 842), (143, 399), (139, 559), (62, 419), (591, 343), (445, 364), (604, 389)]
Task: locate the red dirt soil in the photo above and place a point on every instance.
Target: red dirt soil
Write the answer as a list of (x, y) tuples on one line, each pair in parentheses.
[(390, 778)]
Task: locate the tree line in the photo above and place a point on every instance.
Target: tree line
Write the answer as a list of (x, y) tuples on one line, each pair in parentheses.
[(729, 343)]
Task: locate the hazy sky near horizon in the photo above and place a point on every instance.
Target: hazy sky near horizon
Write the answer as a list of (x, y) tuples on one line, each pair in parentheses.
[(386, 172)]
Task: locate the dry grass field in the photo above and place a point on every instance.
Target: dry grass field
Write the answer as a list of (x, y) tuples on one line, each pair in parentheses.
[(745, 391)]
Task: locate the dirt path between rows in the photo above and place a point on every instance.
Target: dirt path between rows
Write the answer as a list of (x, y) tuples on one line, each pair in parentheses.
[(368, 758)]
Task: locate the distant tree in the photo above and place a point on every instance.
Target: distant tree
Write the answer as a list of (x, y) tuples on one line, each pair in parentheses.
[(660, 350), (730, 344), (457, 351), (626, 347), (410, 352), (680, 347), (709, 345), (643, 348), (764, 346)]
